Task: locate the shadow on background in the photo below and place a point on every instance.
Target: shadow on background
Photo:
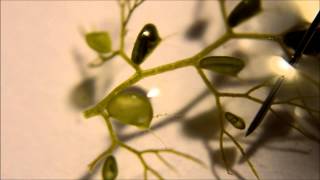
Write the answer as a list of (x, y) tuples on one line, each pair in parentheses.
[(199, 25), (197, 29), (272, 129), (82, 94), (216, 159), (204, 126), (89, 175), (181, 113)]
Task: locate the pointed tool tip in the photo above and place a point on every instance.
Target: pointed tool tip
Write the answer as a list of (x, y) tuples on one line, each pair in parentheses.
[(247, 134), (249, 131)]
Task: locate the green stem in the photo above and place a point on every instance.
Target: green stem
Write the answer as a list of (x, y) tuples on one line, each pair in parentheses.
[(215, 92), (128, 60), (270, 37), (172, 151), (103, 59), (131, 10), (103, 155), (207, 82), (300, 97), (168, 67), (165, 162), (219, 106), (224, 15), (301, 106), (99, 108), (103, 103), (243, 154), (254, 36), (154, 71), (122, 24), (113, 145), (113, 135), (224, 38), (143, 162), (259, 86), (240, 95)]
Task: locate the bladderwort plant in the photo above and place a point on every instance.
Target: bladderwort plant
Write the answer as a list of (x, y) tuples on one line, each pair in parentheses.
[(133, 108)]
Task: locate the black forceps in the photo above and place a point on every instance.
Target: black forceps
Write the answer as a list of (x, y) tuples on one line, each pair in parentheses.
[(294, 59)]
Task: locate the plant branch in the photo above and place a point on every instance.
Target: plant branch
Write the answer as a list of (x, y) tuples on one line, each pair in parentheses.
[(264, 83), (224, 15), (207, 82), (93, 111), (131, 10), (270, 37), (297, 127), (99, 108), (165, 162), (172, 151), (219, 106), (243, 154), (102, 59), (312, 81), (300, 97), (299, 105), (111, 148), (215, 93)]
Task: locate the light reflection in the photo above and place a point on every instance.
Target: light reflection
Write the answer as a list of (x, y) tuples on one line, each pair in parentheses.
[(146, 33), (300, 113), (153, 92), (280, 66)]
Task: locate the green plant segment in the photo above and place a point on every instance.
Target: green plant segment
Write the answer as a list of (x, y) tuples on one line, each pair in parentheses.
[(110, 169), (135, 109), (99, 41), (235, 120), (131, 108), (147, 41), (243, 11), (222, 64)]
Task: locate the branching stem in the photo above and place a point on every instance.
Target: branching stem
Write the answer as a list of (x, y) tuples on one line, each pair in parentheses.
[(127, 9)]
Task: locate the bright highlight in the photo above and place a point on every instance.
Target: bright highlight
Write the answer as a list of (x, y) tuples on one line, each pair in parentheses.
[(153, 92), (280, 66)]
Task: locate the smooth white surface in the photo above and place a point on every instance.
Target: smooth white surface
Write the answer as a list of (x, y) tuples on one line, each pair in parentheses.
[(43, 136)]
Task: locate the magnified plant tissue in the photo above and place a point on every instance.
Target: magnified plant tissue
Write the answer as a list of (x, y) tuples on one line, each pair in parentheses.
[(293, 108)]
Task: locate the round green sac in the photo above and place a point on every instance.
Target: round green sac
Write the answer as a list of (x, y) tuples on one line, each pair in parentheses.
[(131, 108), (99, 41), (235, 120), (222, 64), (243, 11), (146, 42), (110, 168)]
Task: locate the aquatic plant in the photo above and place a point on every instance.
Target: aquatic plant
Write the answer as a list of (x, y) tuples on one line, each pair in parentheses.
[(134, 108)]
